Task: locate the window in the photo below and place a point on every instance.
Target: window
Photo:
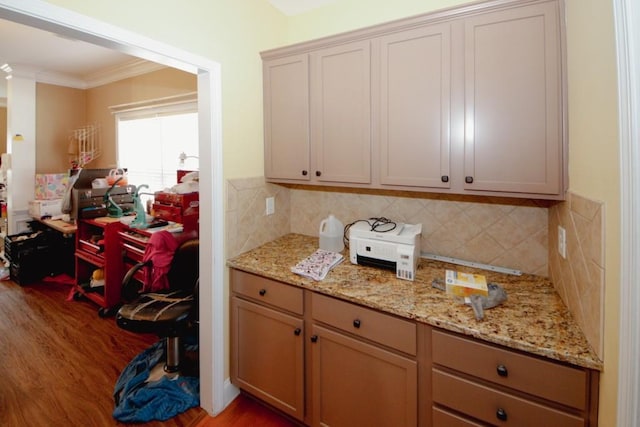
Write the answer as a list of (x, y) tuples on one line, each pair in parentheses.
[(151, 140)]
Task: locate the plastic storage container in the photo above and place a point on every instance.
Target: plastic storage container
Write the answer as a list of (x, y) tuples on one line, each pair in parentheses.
[(331, 234)]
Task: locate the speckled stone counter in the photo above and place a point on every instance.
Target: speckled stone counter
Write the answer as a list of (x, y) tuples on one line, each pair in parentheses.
[(533, 319)]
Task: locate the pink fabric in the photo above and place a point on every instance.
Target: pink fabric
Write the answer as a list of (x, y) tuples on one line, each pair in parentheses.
[(160, 249)]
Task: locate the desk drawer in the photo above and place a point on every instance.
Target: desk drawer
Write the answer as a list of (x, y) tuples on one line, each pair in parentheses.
[(495, 407), (546, 379), (268, 291), (132, 252), (370, 324)]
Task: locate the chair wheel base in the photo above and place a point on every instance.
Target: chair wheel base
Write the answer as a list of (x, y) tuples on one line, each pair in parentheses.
[(158, 372)]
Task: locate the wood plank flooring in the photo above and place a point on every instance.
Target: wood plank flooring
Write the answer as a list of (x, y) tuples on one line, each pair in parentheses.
[(59, 361), (245, 411)]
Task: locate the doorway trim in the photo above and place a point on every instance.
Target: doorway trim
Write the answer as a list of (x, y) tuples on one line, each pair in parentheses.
[(627, 16), (48, 17)]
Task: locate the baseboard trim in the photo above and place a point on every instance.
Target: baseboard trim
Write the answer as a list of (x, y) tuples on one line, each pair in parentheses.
[(230, 393)]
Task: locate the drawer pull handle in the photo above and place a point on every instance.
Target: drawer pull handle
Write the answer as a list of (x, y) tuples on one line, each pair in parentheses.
[(314, 338), (468, 179), (502, 371), (297, 331), (304, 173), (356, 323), (501, 414), (444, 178), (262, 292), (318, 173)]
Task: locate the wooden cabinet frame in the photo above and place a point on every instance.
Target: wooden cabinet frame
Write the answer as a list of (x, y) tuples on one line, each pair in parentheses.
[(322, 367), (449, 134), (278, 376)]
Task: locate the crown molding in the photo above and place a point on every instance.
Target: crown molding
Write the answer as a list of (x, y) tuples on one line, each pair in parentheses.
[(132, 68)]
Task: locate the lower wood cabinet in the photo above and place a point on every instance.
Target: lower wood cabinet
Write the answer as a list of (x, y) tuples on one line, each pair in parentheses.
[(267, 344), (363, 364), (328, 362), (361, 368)]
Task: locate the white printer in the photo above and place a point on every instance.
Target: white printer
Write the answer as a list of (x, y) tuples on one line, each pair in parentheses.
[(396, 250)]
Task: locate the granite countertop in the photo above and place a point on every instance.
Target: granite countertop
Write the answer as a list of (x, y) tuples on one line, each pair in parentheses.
[(533, 319)]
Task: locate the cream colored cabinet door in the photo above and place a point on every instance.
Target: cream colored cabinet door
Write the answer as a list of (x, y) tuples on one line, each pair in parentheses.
[(358, 384), (267, 355), (341, 113), (513, 101), (286, 117), (415, 98)]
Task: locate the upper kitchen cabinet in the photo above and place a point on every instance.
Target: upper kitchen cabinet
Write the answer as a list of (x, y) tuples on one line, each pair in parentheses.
[(414, 100), (341, 113), (513, 101), (466, 100), (286, 117), (317, 116)]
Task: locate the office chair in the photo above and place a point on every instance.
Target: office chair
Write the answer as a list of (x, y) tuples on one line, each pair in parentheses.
[(171, 314)]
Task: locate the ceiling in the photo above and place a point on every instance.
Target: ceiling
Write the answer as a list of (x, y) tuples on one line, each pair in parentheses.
[(53, 59), (58, 60)]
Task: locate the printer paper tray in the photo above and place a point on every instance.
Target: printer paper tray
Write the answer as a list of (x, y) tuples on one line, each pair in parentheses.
[(374, 262)]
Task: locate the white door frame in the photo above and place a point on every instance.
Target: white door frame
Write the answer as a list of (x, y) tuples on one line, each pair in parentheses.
[(627, 28), (45, 16)]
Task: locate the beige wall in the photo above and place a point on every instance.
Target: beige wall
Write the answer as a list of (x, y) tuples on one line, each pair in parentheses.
[(233, 32), (3, 130), (157, 84), (345, 15), (594, 170), (59, 110)]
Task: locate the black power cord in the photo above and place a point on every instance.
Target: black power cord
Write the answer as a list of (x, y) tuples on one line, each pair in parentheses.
[(381, 225)]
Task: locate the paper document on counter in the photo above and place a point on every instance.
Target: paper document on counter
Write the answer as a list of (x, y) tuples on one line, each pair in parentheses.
[(465, 284), (317, 265)]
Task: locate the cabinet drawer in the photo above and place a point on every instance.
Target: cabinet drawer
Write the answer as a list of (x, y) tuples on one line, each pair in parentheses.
[(267, 291), (495, 407), (367, 323), (545, 379), (442, 417)]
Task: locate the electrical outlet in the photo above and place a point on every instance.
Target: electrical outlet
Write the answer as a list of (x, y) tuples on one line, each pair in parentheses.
[(271, 206), (562, 242)]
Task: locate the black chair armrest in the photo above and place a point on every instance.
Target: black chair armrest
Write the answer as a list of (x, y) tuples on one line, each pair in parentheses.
[(130, 288)]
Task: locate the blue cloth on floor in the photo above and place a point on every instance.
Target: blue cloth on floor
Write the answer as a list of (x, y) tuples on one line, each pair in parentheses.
[(140, 401)]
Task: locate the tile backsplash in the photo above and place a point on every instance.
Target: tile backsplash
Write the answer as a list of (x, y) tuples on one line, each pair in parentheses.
[(580, 278), (507, 235), (504, 232), (247, 226)]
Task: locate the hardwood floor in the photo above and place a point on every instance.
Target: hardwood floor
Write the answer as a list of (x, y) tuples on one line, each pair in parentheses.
[(59, 361), (245, 411)]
